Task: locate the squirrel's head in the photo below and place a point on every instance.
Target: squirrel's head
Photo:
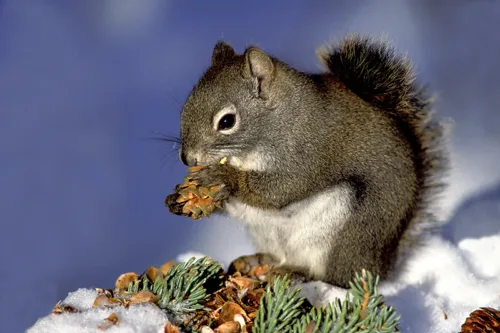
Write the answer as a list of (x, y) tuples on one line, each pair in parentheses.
[(229, 109)]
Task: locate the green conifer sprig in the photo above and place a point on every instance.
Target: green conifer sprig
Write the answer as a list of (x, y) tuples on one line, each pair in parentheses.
[(333, 318), (279, 308), (374, 315), (183, 289), (361, 311)]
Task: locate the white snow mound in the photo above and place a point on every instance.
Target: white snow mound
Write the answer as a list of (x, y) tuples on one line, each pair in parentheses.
[(138, 318)]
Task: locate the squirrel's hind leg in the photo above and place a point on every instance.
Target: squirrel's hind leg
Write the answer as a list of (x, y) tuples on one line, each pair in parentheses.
[(295, 274), (244, 264)]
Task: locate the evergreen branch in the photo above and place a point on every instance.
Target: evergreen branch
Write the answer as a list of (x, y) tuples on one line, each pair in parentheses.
[(365, 313), (279, 308)]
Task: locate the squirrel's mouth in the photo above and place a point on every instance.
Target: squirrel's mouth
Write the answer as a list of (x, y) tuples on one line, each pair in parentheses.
[(203, 158)]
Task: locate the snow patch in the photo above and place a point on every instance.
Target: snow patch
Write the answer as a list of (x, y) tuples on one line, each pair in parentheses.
[(483, 254), (188, 255), (439, 287), (138, 318)]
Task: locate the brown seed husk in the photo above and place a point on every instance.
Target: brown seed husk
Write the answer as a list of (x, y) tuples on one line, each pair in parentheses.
[(107, 292), (63, 308), (144, 296), (102, 301), (245, 282), (229, 327), (110, 321), (310, 327), (206, 329), (229, 310), (151, 272), (166, 267), (169, 328), (124, 280)]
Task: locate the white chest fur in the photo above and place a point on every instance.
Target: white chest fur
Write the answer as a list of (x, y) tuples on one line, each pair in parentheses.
[(302, 233)]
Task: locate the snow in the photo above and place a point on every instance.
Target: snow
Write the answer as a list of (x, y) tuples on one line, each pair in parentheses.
[(442, 279), (138, 318), (188, 255)]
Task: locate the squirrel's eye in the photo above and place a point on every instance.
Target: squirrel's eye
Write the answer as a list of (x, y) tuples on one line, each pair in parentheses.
[(227, 122)]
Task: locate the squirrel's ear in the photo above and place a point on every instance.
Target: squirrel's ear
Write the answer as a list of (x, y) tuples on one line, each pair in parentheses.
[(222, 52), (259, 65)]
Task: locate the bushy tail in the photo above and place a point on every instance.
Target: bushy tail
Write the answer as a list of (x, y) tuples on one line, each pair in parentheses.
[(377, 74)]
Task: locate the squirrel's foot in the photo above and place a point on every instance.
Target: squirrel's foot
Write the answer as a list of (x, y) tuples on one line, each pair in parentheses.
[(244, 264), (295, 275)]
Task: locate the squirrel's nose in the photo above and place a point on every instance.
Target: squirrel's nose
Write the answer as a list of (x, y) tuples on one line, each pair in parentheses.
[(185, 159), (182, 157)]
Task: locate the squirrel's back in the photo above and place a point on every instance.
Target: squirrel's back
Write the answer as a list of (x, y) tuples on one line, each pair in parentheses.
[(377, 74)]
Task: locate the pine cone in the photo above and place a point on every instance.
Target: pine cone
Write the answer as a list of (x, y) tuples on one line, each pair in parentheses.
[(192, 200), (484, 320)]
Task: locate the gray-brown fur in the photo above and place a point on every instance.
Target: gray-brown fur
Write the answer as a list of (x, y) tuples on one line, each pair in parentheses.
[(376, 73), (358, 138)]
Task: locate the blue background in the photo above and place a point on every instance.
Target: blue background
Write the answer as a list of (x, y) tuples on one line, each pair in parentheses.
[(86, 85)]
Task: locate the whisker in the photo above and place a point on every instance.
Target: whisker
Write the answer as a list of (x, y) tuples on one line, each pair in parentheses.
[(167, 138), (179, 105), (174, 140), (166, 159), (176, 145)]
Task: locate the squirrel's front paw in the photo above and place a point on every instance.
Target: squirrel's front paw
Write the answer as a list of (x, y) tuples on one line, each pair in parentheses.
[(223, 175)]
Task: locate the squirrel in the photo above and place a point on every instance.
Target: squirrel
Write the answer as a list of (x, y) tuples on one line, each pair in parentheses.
[(330, 173)]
